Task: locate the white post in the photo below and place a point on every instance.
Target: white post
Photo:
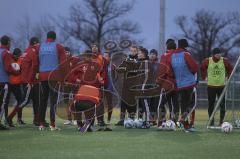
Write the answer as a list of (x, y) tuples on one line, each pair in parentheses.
[(162, 27)]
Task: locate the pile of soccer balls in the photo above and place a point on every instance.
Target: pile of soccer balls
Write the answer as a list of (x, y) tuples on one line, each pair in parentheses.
[(137, 123)]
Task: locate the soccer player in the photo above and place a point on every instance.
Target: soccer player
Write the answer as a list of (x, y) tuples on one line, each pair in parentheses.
[(51, 55), (15, 88), (5, 70), (144, 79), (183, 68), (72, 62), (99, 59), (129, 64), (29, 68), (215, 70), (153, 102), (169, 96), (108, 85), (88, 72)]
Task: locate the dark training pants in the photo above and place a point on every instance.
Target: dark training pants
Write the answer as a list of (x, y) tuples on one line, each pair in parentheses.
[(126, 107), (185, 101), (4, 88), (46, 92), (212, 94), (171, 99), (29, 93), (16, 90)]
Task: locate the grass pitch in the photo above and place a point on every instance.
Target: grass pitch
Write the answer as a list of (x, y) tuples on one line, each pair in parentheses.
[(26, 142)]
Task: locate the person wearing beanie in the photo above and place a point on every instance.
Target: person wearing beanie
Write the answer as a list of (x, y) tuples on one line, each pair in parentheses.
[(183, 43), (71, 63), (99, 59), (51, 56), (6, 69), (126, 70), (183, 69), (29, 69), (215, 70), (170, 95), (146, 79), (143, 54), (153, 102), (169, 40)]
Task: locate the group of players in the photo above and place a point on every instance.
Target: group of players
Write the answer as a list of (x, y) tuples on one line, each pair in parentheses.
[(149, 84)]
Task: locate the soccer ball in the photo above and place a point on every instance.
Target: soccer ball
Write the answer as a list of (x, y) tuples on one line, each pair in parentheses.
[(237, 123), (15, 66), (170, 125), (129, 123), (226, 127), (138, 123)]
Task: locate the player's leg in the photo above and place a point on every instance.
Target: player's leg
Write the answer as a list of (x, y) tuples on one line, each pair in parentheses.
[(100, 114), (132, 111), (3, 96), (222, 105), (211, 100), (185, 99), (44, 94), (109, 98), (175, 104), (53, 105), (13, 90), (140, 108), (17, 92), (69, 115), (6, 104), (88, 109), (162, 111), (122, 113), (34, 95)]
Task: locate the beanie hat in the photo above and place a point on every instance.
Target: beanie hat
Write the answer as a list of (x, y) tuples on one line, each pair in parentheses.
[(169, 40), (17, 52), (171, 45), (216, 51), (5, 40), (51, 35), (182, 43), (33, 41), (154, 51)]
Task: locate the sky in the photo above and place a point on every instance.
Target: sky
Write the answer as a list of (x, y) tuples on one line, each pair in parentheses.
[(145, 12)]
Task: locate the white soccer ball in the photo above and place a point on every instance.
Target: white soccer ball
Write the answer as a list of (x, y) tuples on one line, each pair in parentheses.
[(170, 125), (226, 127), (15, 66), (129, 123), (138, 123)]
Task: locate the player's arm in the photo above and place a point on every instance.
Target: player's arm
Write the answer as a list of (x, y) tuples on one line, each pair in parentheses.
[(7, 58), (122, 67), (228, 67), (204, 68), (192, 64), (62, 59)]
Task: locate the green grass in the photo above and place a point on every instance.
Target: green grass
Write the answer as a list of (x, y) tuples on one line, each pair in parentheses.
[(26, 142)]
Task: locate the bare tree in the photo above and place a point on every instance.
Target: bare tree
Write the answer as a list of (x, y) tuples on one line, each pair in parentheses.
[(26, 29), (43, 26), (98, 21), (23, 33), (208, 29)]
